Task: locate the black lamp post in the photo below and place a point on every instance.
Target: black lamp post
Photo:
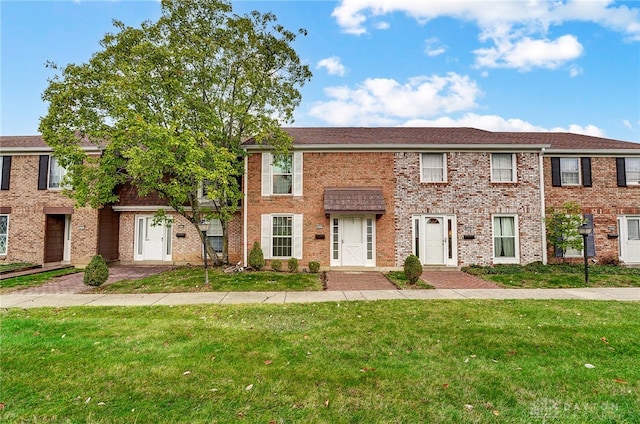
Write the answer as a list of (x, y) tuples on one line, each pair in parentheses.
[(584, 231), (204, 227)]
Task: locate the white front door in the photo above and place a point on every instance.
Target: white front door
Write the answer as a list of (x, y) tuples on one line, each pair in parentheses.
[(66, 255), (632, 240), (152, 241), (435, 241), (352, 242)]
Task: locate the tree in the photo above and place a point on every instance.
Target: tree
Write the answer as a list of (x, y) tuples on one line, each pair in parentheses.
[(170, 103), (562, 226)]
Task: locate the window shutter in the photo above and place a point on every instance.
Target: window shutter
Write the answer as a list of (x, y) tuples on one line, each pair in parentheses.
[(297, 236), (591, 239), (6, 172), (43, 172), (555, 172), (622, 172), (586, 172), (265, 231), (266, 174), (297, 174)]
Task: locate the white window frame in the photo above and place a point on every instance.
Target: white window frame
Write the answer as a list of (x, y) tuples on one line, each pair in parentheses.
[(444, 168), (513, 169), (5, 235), (502, 259), (61, 172), (563, 171), (267, 175), (635, 170), (267, 235)]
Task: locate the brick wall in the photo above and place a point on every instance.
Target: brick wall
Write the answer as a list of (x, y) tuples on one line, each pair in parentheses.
[(27, 219), (470, 195), (320, 170), (605, 200)]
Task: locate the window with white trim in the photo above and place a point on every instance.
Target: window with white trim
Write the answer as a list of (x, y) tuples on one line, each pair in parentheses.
[(505, 239), (570, 171), (433, 167), (4, 234), (56, 174), (282, 236), (632, 168), (503, 167), (214, 235), (282, 174)]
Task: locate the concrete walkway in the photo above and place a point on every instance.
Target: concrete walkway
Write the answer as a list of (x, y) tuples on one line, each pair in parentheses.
[(225, 298)]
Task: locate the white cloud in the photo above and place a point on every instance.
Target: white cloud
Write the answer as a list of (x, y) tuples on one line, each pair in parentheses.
[(382, 25), (574, 71), (433, 47), (380, 101), (511, 26), (498, 123), (332, 65), (627, 124)]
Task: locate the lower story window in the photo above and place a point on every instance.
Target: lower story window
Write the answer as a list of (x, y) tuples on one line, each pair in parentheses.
[(282, 236), (4, 233), (505, 241), (214, 235)]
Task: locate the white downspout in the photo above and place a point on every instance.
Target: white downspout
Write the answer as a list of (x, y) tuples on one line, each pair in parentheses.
[(543, 208), (244, 213)]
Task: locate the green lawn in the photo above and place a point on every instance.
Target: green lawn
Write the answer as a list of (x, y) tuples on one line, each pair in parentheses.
[(400, 280), (350, 362), (191, 279), (536, 275)]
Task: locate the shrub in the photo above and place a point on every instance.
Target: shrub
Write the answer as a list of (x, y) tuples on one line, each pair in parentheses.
[(314, 267), (292, 264), (412, 268), (256, 257), (97, 272), (276, 265)]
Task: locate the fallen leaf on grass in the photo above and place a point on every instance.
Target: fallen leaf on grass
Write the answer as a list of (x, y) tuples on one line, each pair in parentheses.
[(604, 340), (496, 413), (590, 366), (326, 403), (186, 373), (268, 362), (468, 407), (445, 385), (619, 380), (367, 369), (249, 387)]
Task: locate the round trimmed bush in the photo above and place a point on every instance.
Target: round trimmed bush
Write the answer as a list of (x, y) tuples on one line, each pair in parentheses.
[(97, 272), (292, 264), (412, 268), (276, 265), (314, 267), (256, 257)]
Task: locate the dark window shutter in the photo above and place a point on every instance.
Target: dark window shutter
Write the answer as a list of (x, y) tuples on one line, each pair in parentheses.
[(586, 171), (555, 172), (591, 239), (557, 251), (6, 172), (622, 172), (43, 172)]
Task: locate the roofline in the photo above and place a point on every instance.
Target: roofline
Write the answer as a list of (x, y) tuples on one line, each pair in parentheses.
[(404, 147), (592, 152), (17, 151)]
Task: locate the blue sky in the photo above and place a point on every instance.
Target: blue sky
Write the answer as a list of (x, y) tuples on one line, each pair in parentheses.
[(545, 65)]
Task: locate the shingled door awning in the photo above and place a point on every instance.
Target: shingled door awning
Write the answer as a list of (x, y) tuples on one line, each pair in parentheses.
[(354, 200)]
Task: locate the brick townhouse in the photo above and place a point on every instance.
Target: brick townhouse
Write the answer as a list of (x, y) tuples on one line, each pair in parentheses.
[(350, 197), (369, 197)]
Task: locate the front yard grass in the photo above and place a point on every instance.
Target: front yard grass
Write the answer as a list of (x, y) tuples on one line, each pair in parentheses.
[(191, 279), (537, 275), (389, 361)]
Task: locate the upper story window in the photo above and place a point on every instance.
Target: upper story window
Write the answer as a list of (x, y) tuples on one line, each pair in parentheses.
[(433, 167), (571, 172), (503, 167), (282, 174), (632, 166), (56, 174)]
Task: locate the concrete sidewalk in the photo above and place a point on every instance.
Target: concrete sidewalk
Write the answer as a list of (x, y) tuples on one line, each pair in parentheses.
[(226, 298)]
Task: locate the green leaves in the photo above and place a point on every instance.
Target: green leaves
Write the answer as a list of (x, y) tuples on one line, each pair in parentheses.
[(170, 103)]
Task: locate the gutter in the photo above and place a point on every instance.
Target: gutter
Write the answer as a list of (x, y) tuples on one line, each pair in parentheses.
[(543, 208), (244, 211)]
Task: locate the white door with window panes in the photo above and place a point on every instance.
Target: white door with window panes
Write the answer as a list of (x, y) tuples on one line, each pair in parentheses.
[(434, 239), (353, 240), (152, 242), (630, 239)]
